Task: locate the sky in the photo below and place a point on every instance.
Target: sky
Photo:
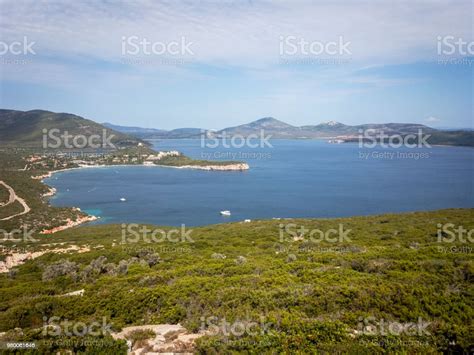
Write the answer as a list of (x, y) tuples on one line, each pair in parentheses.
[(210, 64)]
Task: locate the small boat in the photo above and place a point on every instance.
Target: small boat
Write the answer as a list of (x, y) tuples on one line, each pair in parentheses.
[(225, 213), (123, 199)]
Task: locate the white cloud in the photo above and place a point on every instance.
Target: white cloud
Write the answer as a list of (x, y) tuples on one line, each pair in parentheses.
[(239, 33), (80, 40), (432, 119)]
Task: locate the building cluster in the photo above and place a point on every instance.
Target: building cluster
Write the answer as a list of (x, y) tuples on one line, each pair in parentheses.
[(66, 160)]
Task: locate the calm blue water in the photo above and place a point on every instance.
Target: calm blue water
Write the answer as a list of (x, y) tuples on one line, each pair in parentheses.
[(295, 178)]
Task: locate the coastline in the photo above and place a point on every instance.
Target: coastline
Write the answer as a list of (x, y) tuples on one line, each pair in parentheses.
[(230, 167), (70, 224), (90, 218)]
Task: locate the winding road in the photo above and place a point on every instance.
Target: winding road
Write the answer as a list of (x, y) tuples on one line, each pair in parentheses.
[(12, 198)]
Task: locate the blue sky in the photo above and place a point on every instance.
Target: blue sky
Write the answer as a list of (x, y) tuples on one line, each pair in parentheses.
[(235, 70)]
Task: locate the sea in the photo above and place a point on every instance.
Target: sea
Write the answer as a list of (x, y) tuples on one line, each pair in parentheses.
[(286, 179)]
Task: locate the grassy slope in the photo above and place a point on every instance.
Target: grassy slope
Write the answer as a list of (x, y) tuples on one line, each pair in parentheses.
[(393, 271)]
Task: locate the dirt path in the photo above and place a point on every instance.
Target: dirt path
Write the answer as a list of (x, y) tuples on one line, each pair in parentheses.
[(13, 197)]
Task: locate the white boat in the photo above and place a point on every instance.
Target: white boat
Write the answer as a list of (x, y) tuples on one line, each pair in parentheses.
[(225, 213), (123, 199)]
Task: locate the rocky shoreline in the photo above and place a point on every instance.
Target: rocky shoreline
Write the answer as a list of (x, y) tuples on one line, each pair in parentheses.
[(164, 339), (230, 167), (69, 224)]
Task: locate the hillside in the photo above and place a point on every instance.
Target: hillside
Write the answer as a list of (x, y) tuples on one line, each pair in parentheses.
[(135, 131), (306, 296), (280, 130), (152, 133), (25, 128)]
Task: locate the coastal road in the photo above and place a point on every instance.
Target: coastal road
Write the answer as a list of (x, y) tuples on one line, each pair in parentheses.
[(14, 197)]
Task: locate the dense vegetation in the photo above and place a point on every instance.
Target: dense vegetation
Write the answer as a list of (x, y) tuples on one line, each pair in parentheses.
[(42, 215), (311, 295), (26, 128)]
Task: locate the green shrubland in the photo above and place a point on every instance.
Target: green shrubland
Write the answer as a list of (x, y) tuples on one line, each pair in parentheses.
[(304, 295)]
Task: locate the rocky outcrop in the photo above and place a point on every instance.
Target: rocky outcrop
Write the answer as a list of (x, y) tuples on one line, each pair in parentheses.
[(69, 224), (14, 259), (167, 338), (51, 192), (74, 293), (41, 177), (229, 167)]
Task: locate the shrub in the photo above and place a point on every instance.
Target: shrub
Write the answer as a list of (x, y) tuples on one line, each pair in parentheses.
[(240, 260), (218, 256)]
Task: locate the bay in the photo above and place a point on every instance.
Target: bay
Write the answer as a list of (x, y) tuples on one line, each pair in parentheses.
[(289, 179)]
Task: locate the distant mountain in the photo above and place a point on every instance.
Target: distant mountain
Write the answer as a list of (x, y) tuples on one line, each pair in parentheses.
[(184, 133), (26, 129), (270, 125), (327, 129), (280, 130), (136, 131), (331, 129), (152, 133)]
